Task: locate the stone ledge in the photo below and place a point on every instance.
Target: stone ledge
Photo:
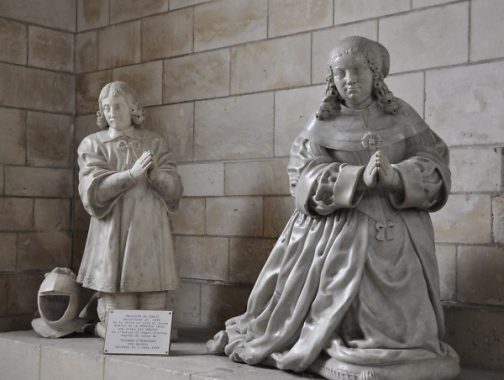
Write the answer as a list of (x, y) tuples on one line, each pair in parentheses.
[(23, 355)]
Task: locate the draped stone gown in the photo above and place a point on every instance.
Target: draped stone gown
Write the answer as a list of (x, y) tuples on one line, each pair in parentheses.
[(354, 274)]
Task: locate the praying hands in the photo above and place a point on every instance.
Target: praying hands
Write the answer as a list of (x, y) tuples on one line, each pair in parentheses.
[(379, 172)]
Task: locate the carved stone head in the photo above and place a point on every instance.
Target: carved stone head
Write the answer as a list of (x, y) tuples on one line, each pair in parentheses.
[(120, 89)]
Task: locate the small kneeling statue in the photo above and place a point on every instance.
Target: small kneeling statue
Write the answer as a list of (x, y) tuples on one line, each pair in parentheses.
[(128, 183), (351, 289)]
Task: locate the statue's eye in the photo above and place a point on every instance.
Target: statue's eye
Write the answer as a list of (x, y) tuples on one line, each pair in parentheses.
[(339, 73)]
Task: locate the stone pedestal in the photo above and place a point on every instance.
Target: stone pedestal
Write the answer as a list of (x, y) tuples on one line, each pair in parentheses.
[(24, 355)]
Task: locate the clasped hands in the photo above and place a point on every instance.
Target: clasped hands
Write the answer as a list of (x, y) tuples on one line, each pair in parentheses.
[(145, 167), (379, 172)]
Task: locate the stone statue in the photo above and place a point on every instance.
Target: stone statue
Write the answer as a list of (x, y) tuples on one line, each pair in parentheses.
[(128, 183), (351, 288)]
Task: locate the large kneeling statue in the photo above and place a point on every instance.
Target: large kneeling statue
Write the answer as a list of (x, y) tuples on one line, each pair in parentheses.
[(351, 288)]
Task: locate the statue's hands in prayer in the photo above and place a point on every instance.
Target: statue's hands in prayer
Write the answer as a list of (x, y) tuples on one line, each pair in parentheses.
[(388, 177), (153, 172), (370, 175), (142, 165)]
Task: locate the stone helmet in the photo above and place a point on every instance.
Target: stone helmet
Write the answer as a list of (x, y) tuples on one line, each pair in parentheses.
[(58, 304)]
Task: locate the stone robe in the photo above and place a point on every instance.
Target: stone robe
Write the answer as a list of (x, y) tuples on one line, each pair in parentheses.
[(129, 246), (354, 275)]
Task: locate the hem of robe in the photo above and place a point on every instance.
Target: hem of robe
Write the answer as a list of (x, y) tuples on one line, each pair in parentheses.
[(126, 288), (240, 337)]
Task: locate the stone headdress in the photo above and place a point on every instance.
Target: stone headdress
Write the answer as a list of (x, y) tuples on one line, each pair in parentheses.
[(374, 52)]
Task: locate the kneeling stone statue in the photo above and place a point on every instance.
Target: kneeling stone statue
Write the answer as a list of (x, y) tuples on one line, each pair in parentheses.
[(128, 183), (351, 290)]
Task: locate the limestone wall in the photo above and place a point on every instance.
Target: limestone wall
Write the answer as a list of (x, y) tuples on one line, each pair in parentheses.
[(37, 91), (230, 83)]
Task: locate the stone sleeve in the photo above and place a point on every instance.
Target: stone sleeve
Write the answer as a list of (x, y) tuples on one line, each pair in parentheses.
[(319, 184), (424, 173), (99, 186), (167, 182)]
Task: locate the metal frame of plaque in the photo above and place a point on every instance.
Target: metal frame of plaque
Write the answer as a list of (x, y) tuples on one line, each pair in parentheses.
[(138, 332)]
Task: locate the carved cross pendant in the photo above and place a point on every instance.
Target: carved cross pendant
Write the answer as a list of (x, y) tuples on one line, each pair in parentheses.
[(385, 231), (371, 141)]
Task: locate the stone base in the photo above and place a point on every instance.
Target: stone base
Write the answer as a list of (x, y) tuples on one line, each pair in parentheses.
[(434, 369), (26, 356)]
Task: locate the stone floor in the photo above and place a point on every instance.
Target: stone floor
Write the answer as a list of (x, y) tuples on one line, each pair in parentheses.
[(25, 356)]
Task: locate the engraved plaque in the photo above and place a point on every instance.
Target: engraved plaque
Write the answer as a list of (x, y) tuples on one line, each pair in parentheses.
[(138, 332)]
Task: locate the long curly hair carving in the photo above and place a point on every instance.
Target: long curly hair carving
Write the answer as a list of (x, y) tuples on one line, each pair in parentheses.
[(331, 104)]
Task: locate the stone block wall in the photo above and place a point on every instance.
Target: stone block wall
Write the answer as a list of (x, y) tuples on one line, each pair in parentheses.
[(37, 92), (230, 83)]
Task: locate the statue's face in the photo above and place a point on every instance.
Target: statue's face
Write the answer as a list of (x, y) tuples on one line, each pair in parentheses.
[(353, 79), (116, 111)]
